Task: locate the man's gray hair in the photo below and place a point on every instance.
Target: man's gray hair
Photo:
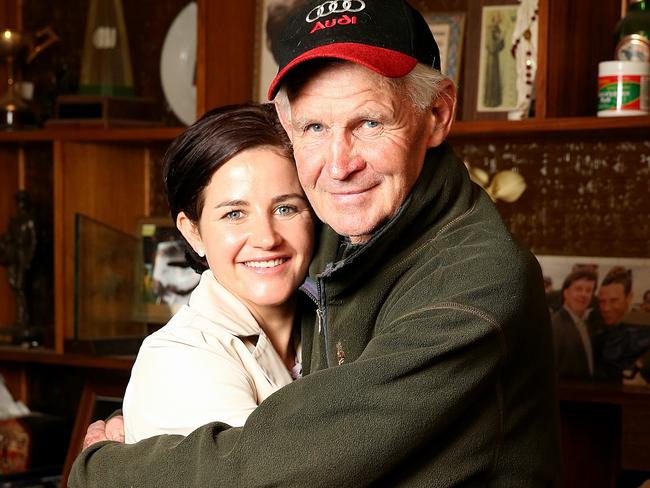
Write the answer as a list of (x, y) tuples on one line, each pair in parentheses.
[(421, 86)]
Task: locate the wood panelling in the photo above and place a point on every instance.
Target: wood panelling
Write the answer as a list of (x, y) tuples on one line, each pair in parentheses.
[(636, 438), (226, 40), (8, 187), (580, 35), (101, 181)]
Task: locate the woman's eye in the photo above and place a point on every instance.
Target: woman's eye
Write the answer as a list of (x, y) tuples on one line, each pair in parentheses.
[(286, 210), (234, 215)]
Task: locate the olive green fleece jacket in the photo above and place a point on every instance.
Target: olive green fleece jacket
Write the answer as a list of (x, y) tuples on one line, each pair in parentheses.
[(430, 366)]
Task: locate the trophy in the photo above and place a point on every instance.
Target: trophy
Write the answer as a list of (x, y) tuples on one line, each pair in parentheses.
[(18, 49), (17, 251)]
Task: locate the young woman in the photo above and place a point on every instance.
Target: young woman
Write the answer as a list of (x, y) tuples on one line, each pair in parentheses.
[(234, 194)]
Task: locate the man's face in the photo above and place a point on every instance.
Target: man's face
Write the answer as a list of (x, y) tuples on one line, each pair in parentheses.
[(359, 147), (577, 296), (613, 302)]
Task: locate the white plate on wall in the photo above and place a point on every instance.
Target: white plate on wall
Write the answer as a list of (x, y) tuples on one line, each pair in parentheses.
[(178, 65)]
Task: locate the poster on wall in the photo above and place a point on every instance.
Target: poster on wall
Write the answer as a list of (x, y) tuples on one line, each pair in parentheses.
[(600, 315)]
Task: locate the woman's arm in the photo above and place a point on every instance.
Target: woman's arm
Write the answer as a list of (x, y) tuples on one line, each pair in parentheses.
[(176, 387)]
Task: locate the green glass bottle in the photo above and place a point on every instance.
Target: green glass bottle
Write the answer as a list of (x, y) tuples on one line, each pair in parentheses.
[(633, 32)]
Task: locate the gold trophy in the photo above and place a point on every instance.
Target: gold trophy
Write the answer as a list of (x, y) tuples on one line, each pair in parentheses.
[(18, 49)]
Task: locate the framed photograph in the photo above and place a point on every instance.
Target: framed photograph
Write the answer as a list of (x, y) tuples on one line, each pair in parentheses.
[(490, 89), (98, 401), (448, 30), (164, 279), (600, 312), (271, 15), (497, 81)]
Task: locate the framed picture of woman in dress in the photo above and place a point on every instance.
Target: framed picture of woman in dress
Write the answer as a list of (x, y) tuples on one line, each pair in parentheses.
[(489, 89), (497, 81)]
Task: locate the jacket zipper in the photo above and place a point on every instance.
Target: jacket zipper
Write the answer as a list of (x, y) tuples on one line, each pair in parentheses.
[(320, 316), (322, 319)]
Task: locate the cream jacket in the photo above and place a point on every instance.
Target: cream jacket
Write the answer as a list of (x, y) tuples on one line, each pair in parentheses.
[(211, 362)]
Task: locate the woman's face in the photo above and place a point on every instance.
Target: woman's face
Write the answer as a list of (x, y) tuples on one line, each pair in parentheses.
[(256, 228)]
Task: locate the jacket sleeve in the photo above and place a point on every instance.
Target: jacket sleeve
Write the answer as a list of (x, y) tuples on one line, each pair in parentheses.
[(393, 410), (176, 387)]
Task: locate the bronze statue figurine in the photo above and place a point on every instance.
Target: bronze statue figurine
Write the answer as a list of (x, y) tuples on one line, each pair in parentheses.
[(17, 247)]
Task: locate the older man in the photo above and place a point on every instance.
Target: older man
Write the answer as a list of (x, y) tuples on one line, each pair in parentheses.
[(430, 363)]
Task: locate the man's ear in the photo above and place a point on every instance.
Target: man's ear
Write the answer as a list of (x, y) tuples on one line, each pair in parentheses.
[(284, 114), (190, 233), (442, 111)]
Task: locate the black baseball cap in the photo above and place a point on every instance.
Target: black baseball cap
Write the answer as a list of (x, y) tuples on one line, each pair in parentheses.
[(387, 36)]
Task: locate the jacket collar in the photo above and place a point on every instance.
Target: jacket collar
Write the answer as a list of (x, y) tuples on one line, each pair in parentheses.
[(218, 305)]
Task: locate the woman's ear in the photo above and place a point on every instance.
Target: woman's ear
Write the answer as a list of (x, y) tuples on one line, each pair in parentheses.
[(191, 233), (442, 111)]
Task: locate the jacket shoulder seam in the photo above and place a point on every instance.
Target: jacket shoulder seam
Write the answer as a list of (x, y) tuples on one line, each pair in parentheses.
[(428, 242)]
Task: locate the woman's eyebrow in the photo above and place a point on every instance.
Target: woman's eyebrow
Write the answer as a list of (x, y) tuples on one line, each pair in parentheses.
[(288, 196), (232, 203)]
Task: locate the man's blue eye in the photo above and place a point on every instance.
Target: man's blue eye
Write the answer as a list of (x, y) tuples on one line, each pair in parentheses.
[(371, 124), (315, 127)]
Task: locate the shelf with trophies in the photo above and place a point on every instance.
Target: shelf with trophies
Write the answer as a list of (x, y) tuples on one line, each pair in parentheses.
[(18, 49), (90, 104), (106, 95)]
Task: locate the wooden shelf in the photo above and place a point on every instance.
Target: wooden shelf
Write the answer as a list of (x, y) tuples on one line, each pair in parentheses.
[(47, 356), (109, 135), (601, 392), (553, 127)]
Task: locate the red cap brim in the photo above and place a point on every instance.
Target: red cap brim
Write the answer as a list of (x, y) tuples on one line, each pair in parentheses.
[(386, 62)]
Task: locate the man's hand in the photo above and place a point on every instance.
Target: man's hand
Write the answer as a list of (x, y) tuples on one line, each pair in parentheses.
[(112, 430)]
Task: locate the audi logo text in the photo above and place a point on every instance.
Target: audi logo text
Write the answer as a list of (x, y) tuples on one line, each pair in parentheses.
[(334, 7)]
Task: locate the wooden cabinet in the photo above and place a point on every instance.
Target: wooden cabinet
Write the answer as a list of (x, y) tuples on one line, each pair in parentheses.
[(604, 434)]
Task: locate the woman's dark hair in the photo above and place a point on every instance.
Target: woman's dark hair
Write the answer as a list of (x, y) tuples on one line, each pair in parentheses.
[(194, 156)]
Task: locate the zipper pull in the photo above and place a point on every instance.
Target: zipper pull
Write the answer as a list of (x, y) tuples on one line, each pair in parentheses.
[(319, 314)]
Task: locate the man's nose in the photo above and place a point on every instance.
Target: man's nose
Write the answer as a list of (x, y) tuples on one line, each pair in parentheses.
[(264, 234), (343, 160)]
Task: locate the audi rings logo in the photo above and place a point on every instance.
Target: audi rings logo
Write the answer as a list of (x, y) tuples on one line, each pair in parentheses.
[(335, 7)]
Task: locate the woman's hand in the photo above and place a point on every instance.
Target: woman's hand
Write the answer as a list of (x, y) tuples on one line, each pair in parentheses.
[(111, 430)]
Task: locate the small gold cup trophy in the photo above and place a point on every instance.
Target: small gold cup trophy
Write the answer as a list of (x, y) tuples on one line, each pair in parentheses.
[(18, 49)]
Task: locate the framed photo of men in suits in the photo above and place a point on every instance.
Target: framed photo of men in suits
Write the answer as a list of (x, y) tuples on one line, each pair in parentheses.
[(600, 314)]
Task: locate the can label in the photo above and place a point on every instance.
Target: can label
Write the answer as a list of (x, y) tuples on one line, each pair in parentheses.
[(635, 47), (623, 92)]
